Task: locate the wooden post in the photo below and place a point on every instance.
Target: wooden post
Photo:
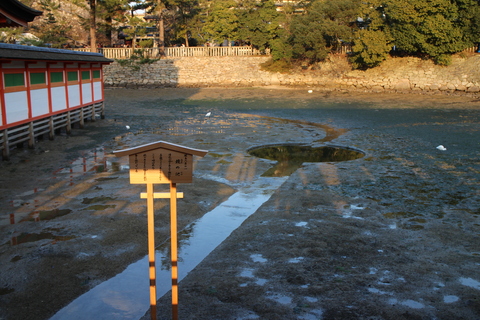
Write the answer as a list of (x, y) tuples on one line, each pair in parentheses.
[(82, 119), (51, 133), (69, 123), (102, 114), (161, 162), (151, 252), (174, 249), (6, 146), (31, 135)]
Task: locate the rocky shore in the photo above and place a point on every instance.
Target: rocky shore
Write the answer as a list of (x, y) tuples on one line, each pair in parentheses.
[(394, 75)]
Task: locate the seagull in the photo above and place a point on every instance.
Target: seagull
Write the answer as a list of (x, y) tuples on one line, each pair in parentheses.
[(208, 114), (128, 127), (441, 148)]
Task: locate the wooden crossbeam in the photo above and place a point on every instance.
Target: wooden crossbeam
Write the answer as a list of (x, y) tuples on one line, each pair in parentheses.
[(161, 195)]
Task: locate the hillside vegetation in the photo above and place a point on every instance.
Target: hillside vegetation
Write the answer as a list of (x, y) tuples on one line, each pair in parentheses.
[(293, 31)]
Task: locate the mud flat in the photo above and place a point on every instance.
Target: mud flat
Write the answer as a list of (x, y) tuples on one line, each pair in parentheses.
[(394, 234)]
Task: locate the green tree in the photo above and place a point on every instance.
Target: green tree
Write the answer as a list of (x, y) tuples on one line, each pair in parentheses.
[(222, 21), (323, 28), (112, 13), (261, 24), (429, 27), (469, 20), (371, 44), (185, 19), (137, 27), (10, 35), (371, 47), (50, 29), (338, 21), (307, 37)]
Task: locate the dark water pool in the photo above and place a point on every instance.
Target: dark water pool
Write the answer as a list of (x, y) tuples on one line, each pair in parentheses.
[(291, 157)]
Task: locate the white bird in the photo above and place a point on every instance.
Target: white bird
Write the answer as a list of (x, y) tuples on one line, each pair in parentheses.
[(128, 127), (208, 114), (441, 148), (310, 91)]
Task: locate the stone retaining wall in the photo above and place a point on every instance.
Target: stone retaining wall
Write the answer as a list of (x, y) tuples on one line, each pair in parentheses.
[(395, 74)]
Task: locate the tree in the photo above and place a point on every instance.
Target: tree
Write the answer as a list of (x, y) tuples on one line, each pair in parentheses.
[(137, 27), (50, 29), (222, 21), (93, 24), (429, 27), (338, 21), (323, 27), (370, 49), (372, 43), (10, 35), (307, 37), (185, 19), (469, 20), (260, 23), (111, 12)]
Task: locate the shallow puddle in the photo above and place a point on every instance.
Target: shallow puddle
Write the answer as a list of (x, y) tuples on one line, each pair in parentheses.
[(291, 157), (126, 296), (46, 215), (96, 199), (33, 237), (4, 291), (93, 162)]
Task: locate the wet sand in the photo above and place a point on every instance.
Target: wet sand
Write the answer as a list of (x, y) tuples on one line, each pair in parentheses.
[(393, 235)]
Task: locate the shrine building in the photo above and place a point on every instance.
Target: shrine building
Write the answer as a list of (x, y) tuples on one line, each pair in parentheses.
[(44, 89)]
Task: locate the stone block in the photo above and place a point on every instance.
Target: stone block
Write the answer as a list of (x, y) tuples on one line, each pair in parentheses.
[(473, 89), (402, 85)]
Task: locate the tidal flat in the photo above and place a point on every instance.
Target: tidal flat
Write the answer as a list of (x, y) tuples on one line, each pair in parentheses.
[(394, 234)]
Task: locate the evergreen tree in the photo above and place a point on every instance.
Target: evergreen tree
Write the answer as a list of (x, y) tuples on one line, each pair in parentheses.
[(371, 47), (428, 27), (112, 13), (222, 22), (323, 27), (50, 29), (260, 23), (185, 19), (372, 43), (469, 20), (137, 27), (10, 35), (93, 24)]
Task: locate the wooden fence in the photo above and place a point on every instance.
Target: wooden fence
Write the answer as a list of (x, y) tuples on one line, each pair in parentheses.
[(472, 50), (172, 52)]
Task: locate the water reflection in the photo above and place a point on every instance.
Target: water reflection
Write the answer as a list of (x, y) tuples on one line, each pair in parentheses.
[(96, 161), (33, 237), (46, 215), (126, 296), (291, 157)]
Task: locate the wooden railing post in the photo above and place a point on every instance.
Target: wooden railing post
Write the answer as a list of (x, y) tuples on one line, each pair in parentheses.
[(6, 146), (126, 53)]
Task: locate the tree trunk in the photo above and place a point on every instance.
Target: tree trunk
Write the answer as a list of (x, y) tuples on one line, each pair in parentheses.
[(109, 22), (161, 35), (93, 25), (186, 39)]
